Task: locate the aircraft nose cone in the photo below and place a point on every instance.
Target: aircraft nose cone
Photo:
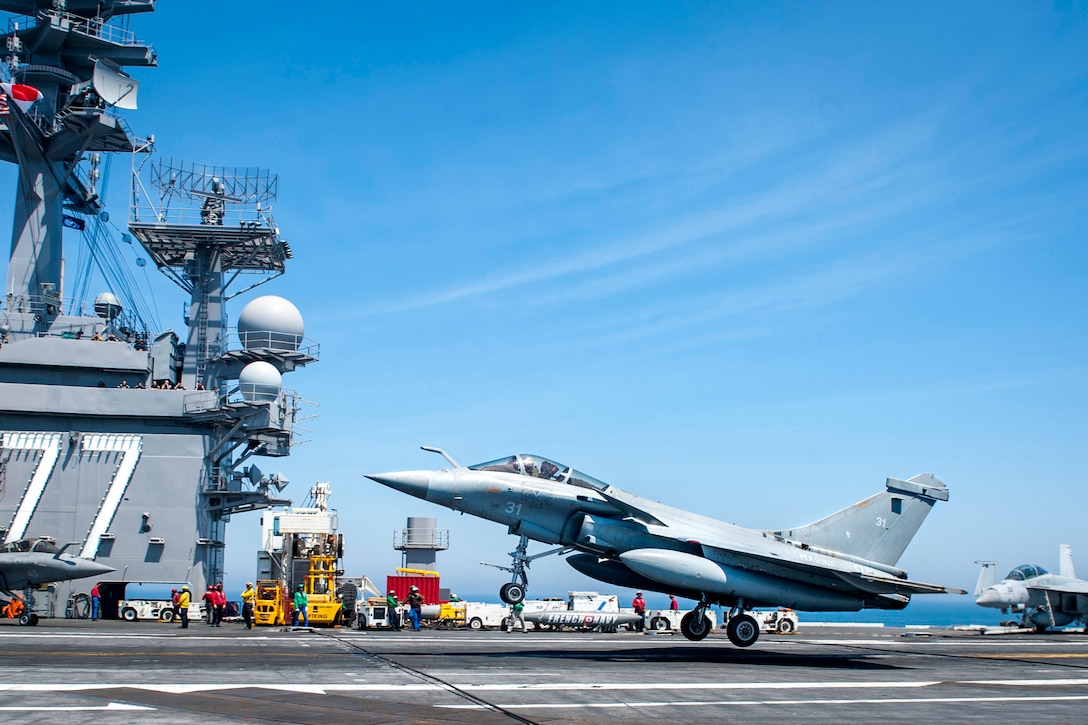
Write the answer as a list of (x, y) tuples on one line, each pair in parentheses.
[(85, 567), (413, 483), (989, 598)]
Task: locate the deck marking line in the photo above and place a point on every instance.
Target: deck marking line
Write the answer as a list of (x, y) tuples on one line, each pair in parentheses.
[(321, 689), (112, 707), (717, 703)]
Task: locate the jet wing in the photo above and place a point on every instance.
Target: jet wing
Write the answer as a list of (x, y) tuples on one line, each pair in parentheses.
[(1073, 587), (891, 584), (793, 562), (625, 504)]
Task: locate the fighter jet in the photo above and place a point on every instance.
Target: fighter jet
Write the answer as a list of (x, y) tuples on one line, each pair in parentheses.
[(1044, 599), (844, 562), (28, 562)]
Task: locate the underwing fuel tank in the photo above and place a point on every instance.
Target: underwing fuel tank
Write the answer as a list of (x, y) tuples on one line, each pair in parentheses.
[(680, 571)]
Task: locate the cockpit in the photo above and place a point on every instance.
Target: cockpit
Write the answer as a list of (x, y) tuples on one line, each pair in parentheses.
[(1025, 571), (40, 546), (540, 467)]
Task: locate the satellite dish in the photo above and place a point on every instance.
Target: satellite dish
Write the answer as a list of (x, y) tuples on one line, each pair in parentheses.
[(113, 85)]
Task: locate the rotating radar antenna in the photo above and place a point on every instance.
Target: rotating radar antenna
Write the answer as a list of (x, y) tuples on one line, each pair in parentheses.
[(204, 226)]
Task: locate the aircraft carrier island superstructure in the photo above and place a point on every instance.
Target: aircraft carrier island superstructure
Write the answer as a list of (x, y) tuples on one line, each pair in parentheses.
[(116, 433)]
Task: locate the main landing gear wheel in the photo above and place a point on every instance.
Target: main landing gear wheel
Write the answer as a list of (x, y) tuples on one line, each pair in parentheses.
[(28, 619), (512, 593), (695, 625), (742, 630)]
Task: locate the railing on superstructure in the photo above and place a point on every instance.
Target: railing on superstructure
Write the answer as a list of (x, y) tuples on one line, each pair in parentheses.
[(92, 27), (286, 402), (184, 187), (263, 342), (126, 326), (97, 28), (416, 538)]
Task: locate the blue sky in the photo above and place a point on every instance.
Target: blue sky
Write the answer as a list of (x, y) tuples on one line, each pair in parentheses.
[(746, 258)]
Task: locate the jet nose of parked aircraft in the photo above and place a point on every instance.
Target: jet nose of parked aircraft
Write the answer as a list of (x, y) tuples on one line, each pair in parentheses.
[(85, 567), (988, 598), (413, 483)]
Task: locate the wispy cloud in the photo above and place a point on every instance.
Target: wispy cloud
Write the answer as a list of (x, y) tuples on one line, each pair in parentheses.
[(856, 168)]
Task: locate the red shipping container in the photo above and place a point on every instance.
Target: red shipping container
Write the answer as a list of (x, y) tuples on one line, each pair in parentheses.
[(428, 586)]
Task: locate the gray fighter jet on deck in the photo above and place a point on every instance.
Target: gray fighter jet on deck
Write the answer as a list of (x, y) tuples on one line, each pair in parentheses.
[(845, 562), (26, 563), (1044, 599)]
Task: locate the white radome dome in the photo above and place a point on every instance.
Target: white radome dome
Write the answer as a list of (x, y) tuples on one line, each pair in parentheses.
[(260, 382), (107, 306), (270, 322)]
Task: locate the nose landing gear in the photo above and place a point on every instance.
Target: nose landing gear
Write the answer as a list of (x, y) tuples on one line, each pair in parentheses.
[(514, 591)]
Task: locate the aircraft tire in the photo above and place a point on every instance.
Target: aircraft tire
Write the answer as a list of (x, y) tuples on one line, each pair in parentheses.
[(27, 619), (785, 626), (659, 623), (693, 629), (743, 630), (129, 614), (512, 593)]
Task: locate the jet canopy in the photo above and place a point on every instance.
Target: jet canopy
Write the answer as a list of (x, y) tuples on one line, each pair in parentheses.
[(40, 546), (539, 467), (1025, 572)]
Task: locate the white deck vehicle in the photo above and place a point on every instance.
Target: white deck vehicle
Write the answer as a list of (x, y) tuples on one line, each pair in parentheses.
[(133, 610)]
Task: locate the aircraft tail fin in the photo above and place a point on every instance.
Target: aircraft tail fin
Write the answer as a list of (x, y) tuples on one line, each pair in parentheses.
[(985, 577), (1065, 561), (880, 527)]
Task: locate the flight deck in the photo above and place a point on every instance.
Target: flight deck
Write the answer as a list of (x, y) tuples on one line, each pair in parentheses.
[(118, 671)]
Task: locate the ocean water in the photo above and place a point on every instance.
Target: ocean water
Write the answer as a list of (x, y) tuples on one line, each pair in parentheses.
[(938, 610)]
